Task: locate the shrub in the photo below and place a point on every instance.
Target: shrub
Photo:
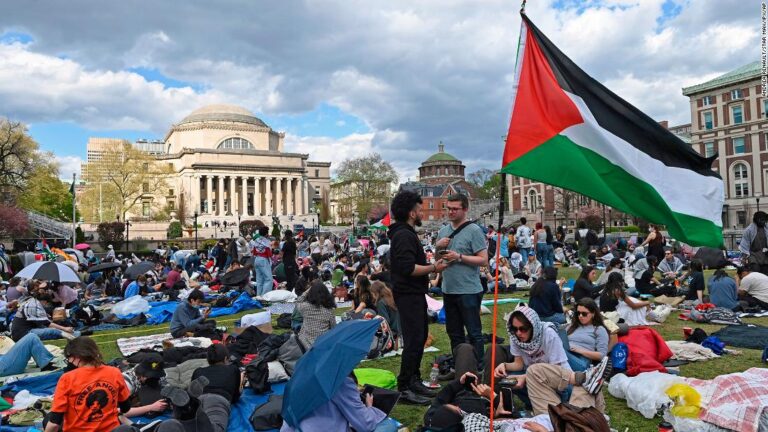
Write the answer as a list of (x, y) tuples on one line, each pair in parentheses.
[(628, 228), (139, 244), (79, 235), (174, 230), (110, 233), (208, 244), (250, 226)]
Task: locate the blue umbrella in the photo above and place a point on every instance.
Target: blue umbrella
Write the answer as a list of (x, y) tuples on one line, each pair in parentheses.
[(320, 372)]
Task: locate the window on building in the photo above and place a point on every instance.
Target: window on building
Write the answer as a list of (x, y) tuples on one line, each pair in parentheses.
[(708, 100), (236, 143), (431, 204), (765, 108), (214, 206), (737, 114), (741, 180), (738, 145), (317, 173), (145, 209), (708, 124), (443, 205), (170, 192), (145, 167), (709, 149), (431, 217), (172, 204), (145, 187), (741, 216), (736, 94), (532, 201)]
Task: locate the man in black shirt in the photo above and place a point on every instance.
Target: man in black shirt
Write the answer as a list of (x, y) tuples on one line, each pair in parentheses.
[(410, 279), (289, 260)]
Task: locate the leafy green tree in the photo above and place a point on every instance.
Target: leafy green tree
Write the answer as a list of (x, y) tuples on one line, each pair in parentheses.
[(110, 233), (20, 159), (174, 230), (362, 183), (45, 193)]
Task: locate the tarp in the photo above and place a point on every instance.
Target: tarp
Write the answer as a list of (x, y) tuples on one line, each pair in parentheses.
[(239, 417), (711, 258), (161, 312)]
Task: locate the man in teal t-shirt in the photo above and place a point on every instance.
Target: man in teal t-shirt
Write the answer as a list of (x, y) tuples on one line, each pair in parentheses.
[(467, 251)]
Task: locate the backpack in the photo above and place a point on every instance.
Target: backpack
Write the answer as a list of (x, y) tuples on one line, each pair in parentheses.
[(269, 415), (715, 344), (88, 315), (445, 363), (257, 372), (592, 238), (382, 342), (290, 353)]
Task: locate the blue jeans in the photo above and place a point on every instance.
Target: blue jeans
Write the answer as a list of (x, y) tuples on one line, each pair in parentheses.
[(263, 269), (541, 253), (524, 252), (50, 333), (15, 361), (386, 425), (578, 363), (556, 318), (463, 311), (550, 256)]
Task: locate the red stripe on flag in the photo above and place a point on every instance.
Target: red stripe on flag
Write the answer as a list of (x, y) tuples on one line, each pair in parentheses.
[(541, 109)]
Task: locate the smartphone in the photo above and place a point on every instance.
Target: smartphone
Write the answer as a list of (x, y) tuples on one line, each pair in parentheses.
[(509, 382), (506, 398), (367, 389), (468, 381)]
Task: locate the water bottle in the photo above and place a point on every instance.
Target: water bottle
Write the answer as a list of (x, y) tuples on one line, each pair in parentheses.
[(433, 375)]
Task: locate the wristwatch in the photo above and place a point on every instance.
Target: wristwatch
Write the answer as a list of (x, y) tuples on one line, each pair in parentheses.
[(459, 257)]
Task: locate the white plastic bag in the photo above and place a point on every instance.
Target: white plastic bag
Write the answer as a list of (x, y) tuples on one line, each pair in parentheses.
[(645, 392), (131, 305), (279, 296)]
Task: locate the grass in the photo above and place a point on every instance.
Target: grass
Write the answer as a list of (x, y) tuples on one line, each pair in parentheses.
[(621, 416)]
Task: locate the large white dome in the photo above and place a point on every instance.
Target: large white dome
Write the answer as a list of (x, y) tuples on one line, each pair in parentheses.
[(223, 113)]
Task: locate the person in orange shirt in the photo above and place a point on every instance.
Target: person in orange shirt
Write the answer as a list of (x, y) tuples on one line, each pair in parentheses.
[(88, 397)]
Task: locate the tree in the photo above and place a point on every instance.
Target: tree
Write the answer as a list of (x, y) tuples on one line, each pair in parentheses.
[(565, 203), (174, 230), (46, 194), (480, 177), (363, 182), (110, 233), (487, 183), (250, 226), (122, 178), (13, 222), (592, 216), (19, 159)]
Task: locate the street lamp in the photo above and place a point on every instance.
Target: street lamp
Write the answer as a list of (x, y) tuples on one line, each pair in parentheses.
[(758, 203), (127, 235), (610, 217), (196, 229)]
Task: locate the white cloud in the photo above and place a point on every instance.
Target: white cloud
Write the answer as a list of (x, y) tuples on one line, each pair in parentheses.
[(69, 165)]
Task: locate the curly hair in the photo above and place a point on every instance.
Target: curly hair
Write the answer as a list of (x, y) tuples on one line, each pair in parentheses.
[(403, 203)]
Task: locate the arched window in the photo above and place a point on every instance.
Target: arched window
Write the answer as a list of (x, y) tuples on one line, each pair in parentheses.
[(236, 143), (532, 200), (741, 179)]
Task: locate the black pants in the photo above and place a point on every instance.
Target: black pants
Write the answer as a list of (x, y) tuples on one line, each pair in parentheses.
[(415, 327), (291, 275), (463, 311), (753, 301)]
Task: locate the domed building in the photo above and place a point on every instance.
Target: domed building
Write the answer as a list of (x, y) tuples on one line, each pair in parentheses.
[(441, 168), (228, 165)]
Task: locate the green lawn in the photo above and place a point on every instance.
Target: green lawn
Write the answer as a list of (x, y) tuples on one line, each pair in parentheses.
[(621, 416)]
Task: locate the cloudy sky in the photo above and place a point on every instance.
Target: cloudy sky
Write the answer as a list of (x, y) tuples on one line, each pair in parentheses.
[(344, 78)]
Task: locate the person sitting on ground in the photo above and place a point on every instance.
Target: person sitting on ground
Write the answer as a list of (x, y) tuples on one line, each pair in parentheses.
[(32, 317), (96, 290), (537, 360), (723, 291), (345, 411), (147, 400), (15, 290), (614, 266), (630, 309), (173, 276), (137, 287), (88, 398), (583, 287), (15, 361), (587, 336), (225, 384), (64, 295), (385, 305), (608, 298), (671, 266), (362, 297), (532, 268), (696, 284), (187, 317), (647, 284), (753, 287), (545, 297), (316, 307)]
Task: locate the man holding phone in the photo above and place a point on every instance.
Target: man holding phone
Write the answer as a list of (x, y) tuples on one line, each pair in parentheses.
[(462, 244), (187, 318)]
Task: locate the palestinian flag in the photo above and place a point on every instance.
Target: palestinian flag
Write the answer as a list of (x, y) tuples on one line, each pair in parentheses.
[(383, 223), (569, 131)]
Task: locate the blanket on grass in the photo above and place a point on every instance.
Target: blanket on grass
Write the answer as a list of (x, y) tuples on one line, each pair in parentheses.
[(161, 312), (755, 337), (735, 401)]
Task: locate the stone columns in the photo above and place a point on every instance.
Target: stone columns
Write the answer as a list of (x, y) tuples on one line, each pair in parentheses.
[(208, 194), (243, 208), (257, 196), (220, 197), (231, 196), (194, 193), (268, 207), (279, 196), (289, 208)]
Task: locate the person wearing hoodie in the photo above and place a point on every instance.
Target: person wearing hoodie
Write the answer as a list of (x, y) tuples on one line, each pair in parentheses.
[(410, 279)]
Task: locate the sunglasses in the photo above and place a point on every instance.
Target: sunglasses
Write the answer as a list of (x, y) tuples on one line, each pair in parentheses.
[(522, 329), (583, 314)]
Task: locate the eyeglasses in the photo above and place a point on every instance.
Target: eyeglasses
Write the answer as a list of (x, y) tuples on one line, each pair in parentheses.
[(522, 329), (583, 314), (453, 209)]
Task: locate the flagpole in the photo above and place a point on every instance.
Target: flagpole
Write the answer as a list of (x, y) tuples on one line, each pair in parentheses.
[(74, 231)]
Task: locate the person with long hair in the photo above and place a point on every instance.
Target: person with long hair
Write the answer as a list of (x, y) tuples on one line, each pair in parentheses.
[(545, 297), (362, 298), (696, 284), (614, 266), (536, 359), (630, 309), (723, 291), (609, 299), (549, 250), (316, 307), (655, 241), (583, 287), (88, 397), (587, 336), (540, 236), (385, 305)]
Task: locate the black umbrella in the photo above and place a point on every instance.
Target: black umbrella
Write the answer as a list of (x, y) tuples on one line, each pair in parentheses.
[(49, 271), (104, 266), (136, 270), (235, 277)]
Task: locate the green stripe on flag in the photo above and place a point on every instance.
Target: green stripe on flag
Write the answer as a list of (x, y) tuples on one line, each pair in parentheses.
[(584, 171)]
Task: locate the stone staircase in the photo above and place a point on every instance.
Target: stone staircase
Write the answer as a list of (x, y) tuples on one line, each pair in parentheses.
[(39, 222)]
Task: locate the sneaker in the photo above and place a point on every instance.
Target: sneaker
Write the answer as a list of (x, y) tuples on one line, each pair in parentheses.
[(176, 395), (411, 398), (449, 376), (420, 389), (197, 386), (596, 375)]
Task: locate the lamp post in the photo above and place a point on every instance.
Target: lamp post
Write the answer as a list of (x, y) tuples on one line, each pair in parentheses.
[(757, 200), (196, 229), (610, 217), (127, 235)]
